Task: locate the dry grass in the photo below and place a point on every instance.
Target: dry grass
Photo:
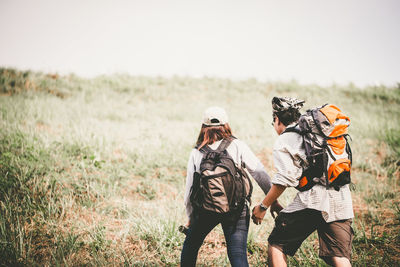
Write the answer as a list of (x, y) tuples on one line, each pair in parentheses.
[(102, 167)]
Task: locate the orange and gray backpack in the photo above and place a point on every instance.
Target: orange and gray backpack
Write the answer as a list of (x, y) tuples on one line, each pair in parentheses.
[(324, 131), (220, 186)]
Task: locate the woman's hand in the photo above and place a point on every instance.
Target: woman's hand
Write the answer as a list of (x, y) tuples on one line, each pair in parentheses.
[(275, 208), (258, 215)]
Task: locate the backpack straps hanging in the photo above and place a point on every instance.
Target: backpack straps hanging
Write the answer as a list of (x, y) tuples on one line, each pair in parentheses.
[(348, 149)]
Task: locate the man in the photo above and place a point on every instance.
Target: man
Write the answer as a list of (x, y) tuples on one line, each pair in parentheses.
[(328, 211)]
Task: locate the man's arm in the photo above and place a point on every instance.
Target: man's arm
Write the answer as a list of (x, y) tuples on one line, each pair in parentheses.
[(270, 198)]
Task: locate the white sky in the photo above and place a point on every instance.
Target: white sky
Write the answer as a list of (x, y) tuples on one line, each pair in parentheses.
[(307, 40)]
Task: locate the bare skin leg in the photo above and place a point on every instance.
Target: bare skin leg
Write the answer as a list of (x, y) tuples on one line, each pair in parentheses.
[(276, 258), (341, 262)]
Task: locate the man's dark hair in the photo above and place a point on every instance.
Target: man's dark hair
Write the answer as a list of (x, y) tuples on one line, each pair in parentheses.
[(288, 116)]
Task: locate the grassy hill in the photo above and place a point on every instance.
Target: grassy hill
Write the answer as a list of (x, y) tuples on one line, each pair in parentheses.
[(92, 171)]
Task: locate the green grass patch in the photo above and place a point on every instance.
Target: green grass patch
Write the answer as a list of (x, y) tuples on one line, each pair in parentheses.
[(92, 171)]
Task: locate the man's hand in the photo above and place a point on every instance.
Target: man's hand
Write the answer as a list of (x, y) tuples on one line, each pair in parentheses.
[(258, 215), (275, 208)]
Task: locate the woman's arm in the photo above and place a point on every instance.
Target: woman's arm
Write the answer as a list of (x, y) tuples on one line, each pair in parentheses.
[(258, 172), (261, 176), (255, 167), (189, 181)]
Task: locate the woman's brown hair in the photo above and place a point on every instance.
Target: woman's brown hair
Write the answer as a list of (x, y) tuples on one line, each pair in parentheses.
[(211, 134)]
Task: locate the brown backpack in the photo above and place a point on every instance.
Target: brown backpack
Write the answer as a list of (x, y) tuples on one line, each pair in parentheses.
[(220, 186)]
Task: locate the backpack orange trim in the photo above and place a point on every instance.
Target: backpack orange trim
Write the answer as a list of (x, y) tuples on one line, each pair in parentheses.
[(337, 144), (334, 114), (331, 112), (339, 130), (338, 167), (303, 182)]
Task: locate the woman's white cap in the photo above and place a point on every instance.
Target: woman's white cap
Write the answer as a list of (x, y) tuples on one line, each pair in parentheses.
[(215, 116)]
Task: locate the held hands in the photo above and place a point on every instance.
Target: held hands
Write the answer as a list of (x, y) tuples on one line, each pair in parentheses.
[(259, 214)]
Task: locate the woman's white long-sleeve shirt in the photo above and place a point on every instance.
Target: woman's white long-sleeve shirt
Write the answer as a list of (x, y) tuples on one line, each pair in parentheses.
[(239, 152)]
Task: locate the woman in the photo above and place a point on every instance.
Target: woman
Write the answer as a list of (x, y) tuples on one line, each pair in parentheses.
[(214, 129)]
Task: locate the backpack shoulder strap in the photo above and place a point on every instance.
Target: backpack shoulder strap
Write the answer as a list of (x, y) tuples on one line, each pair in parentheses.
[(205, 149), (294, 129), (224, 144)]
